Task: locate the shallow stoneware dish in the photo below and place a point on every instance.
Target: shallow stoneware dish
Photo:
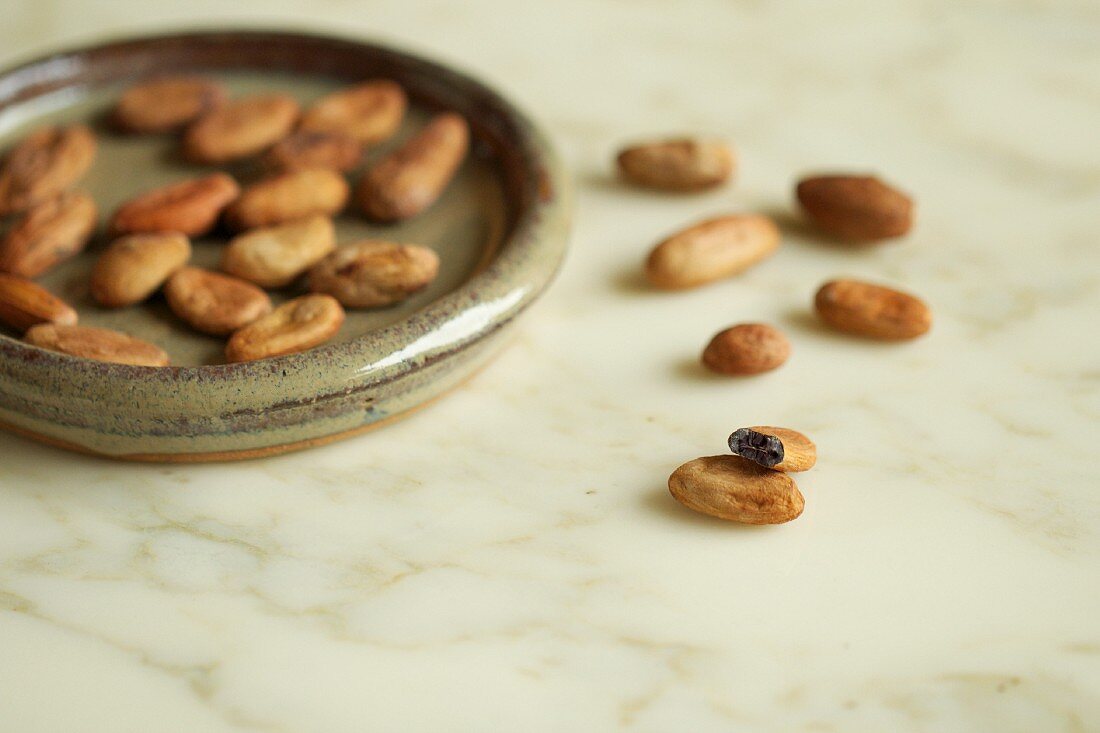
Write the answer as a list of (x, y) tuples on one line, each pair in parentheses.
[(500, 230)]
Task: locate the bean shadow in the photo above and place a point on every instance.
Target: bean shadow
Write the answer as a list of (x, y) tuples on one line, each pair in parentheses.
[(804, 320), (632, 281), (600, 180), (609, 181), (246, 171), (692, 369), (102, 122)]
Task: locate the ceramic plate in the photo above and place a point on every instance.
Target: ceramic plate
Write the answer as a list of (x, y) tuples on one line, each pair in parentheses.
[(500, 230)]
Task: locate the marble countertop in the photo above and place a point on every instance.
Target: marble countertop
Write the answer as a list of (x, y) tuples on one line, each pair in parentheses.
[(510, 560)]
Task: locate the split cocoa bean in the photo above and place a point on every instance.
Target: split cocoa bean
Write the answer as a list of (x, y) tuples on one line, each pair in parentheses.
[(781, 449)]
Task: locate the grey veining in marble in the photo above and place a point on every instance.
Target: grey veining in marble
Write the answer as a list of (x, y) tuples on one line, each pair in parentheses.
[(510, 559)]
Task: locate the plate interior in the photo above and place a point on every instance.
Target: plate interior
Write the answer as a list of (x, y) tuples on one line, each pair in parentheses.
[(465, 227)]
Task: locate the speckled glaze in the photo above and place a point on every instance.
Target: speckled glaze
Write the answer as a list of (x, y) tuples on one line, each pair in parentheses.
[(218, 412)]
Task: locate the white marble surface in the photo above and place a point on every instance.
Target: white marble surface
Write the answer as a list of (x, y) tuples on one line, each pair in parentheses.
[(509, 560)]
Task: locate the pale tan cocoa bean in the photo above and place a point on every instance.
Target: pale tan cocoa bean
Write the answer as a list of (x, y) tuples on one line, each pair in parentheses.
[(43, 165), (409, 180), (133, 267), (799, 452), (686, 164), (101, 344), (273, 257), (287, 197), (374, 273), (856, 208), (747, 348), (296, 325), (369, 113), (711, 250), (304, 150), (240, 128), (166, 103), (189, 207), (24, 303), (730, 487), (872, 311), (49, 233), (213, 303)]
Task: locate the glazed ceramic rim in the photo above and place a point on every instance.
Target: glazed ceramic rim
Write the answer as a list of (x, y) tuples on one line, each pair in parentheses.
[(512, 280)]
